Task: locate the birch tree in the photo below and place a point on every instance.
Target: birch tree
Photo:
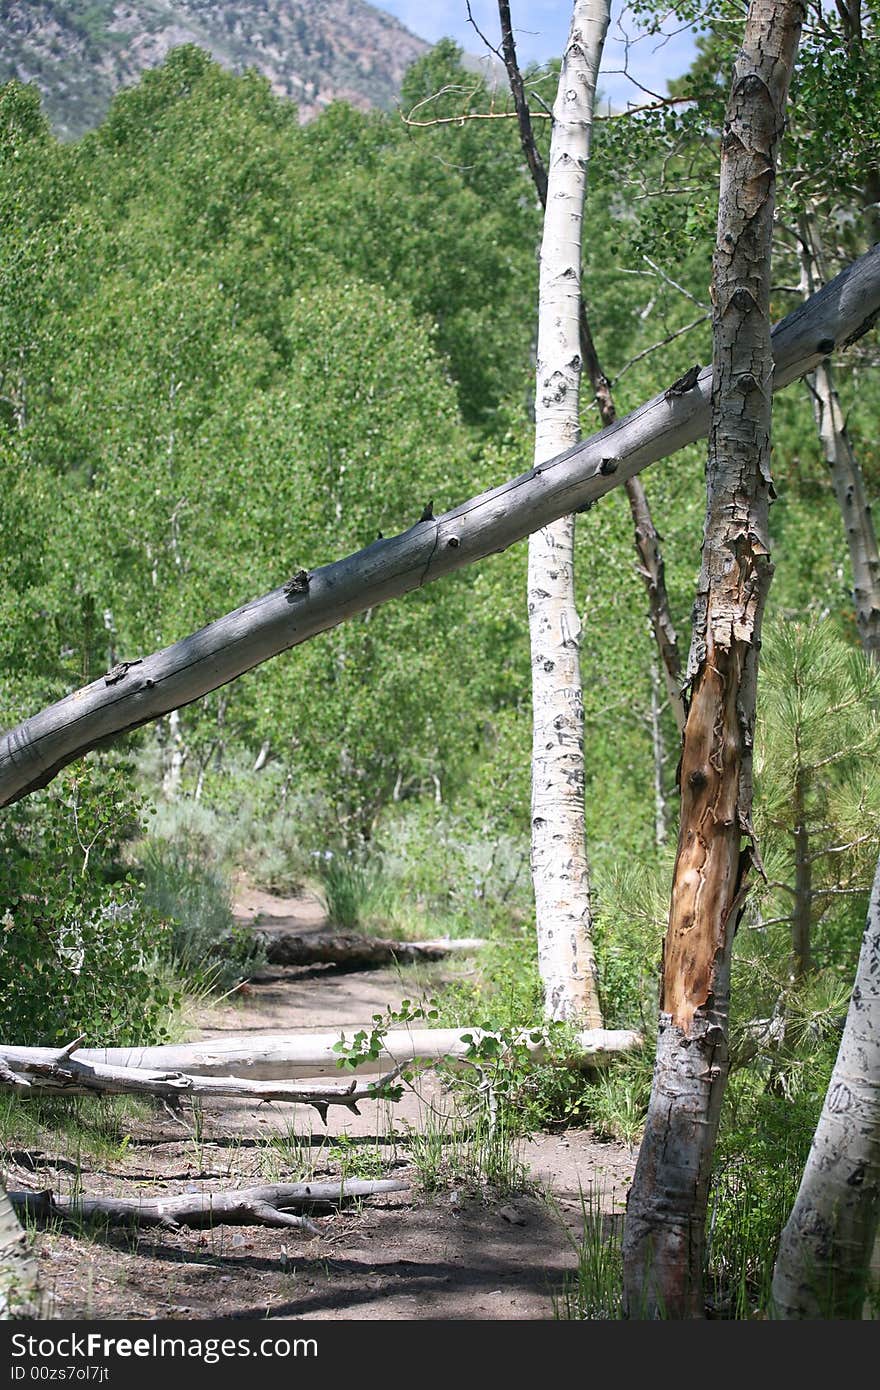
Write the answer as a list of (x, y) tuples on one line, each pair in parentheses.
[(824, 1257), (560, 867), (19, 1288), (664, 1236)]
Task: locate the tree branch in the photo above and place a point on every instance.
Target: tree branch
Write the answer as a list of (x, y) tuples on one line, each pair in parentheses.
[(34, 752)]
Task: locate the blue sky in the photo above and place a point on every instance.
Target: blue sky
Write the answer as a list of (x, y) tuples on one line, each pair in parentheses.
[(541, 29)]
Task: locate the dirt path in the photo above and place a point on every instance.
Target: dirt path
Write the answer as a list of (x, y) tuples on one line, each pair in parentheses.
[(453, 1255)]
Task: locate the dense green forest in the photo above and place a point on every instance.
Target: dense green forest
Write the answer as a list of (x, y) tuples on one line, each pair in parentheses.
[(233, 346)]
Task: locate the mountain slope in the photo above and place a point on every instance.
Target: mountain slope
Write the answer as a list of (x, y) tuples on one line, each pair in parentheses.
[(79, 52)]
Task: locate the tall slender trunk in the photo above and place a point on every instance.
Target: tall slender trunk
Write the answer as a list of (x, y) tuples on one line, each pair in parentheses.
[(560, 867), (19, 1288), (846, 473), (175, 754), (659, 754), (652, 570), (849, 489), (824, 1257), (647, 541), (803, 883), (664, 1237)]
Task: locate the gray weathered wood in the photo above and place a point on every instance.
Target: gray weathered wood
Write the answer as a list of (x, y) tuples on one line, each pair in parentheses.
[(32, 753), (286, 1056), (29, 1071), (354, 952), (246, 1206)]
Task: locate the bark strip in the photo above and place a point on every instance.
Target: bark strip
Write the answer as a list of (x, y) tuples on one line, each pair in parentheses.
[(664, 1237), (34, 752)]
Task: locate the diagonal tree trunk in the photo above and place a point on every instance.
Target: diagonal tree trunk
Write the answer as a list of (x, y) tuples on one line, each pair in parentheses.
[(664, 1237), (136, 693), (560, 868), (822, 1266)]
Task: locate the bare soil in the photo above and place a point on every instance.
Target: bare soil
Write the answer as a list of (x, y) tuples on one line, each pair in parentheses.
[(455, 1254)]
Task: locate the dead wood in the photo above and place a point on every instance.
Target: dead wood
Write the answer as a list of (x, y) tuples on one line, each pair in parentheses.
[(355, 952), (245, 1206), (34, 752), (61, 1073)]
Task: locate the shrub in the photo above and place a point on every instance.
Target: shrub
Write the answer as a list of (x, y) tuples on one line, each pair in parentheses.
[(78, 949), (205, 946)]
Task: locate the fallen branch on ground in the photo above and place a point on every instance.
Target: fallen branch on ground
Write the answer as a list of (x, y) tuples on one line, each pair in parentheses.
[(60, 1073), (290, 1055), (138, 691), (356, 952), (246, 1206)]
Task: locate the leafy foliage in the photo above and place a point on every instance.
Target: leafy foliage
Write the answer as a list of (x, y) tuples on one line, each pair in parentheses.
[(79, 952)]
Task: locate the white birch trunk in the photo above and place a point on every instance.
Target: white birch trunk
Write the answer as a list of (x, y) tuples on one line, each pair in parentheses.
[(174, 768), (824, 1259), (560, 868), (19, 1289)]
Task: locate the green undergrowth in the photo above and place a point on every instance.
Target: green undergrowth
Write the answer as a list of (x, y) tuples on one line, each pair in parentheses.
[(93, 1129)]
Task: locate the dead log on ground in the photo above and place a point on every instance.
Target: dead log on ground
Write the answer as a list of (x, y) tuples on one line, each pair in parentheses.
[(354, 952), (246, 1206), (288, 1056), (62, 1074)]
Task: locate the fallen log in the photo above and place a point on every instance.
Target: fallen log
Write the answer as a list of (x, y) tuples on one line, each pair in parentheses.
[(290, 1055), (143, 689), (246, 1206), (355, 952), (60, 1073)]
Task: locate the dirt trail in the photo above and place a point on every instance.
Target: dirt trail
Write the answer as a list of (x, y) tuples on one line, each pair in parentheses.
[(450, 1256)]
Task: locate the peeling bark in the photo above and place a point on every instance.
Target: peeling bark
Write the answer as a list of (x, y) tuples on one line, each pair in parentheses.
[(664, 1237), (824, 1260), (560, 868)]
